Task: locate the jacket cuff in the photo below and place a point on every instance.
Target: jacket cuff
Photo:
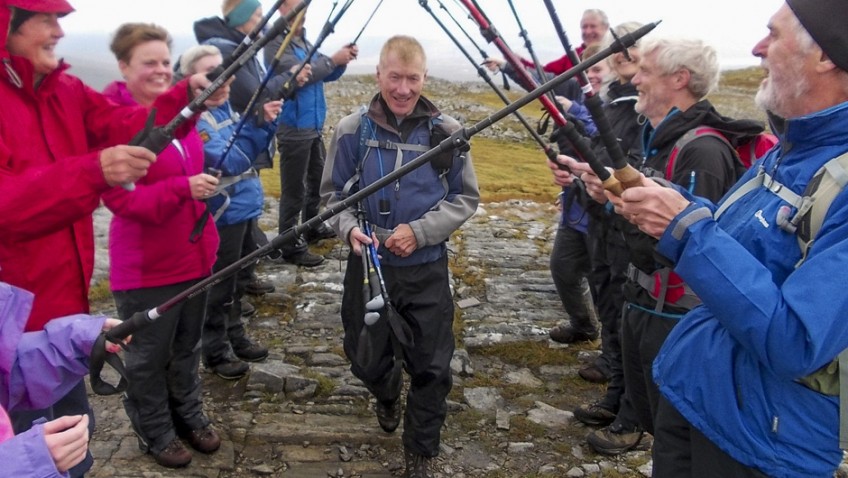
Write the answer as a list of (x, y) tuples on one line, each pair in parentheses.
[(674, 239)]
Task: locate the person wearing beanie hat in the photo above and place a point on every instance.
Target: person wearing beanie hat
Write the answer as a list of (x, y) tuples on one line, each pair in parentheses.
[(62, 145), (741, 376)]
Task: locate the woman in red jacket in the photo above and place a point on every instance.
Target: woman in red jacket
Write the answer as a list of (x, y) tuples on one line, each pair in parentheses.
[(62, 145), (153, 255)]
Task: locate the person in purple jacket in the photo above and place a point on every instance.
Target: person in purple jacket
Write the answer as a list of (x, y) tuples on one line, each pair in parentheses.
[(50, 448)]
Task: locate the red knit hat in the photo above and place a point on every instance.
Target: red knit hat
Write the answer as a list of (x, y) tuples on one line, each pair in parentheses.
[(61, 7)]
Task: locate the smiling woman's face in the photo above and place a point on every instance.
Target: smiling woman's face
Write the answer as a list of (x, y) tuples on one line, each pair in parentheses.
[(36, 41), (148, 72)]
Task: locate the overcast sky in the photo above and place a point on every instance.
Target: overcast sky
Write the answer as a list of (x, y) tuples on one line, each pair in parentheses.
[(732, 26)]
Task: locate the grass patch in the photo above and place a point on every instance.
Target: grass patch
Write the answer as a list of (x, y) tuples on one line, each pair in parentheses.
[(507, 170), (532, 354), (325, 384), (100, 292)]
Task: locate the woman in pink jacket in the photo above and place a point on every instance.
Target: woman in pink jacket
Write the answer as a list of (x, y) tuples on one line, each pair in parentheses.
[(154, 255), (62, 145)]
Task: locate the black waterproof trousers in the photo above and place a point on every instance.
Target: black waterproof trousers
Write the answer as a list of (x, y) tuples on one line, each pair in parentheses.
[(223, 328), (162, 362), (680, 450), (301, 167), (570, 265), (421, 296)]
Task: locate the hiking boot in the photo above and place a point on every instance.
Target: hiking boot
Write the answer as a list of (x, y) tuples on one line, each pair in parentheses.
[(230, 369), (594, 414), (305, 259), (593, 373), (417, 466), (257, 286), (250, 351), (318, 234), (566, 334), (613, 440), (247, 309), (204, 440), (174, 455), (388, 416)]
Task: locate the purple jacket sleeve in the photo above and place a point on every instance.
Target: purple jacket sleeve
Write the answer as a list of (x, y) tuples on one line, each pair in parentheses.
[(26, 456), (50, 362)]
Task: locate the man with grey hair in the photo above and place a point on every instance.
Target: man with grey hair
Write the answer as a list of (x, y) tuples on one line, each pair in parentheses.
[(738, 374), (674, 77)]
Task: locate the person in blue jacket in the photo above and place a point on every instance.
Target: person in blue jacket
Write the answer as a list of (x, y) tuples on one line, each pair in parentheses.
[(238, 202), (300, 139), (730, 372), (412, 220), (36, 370)]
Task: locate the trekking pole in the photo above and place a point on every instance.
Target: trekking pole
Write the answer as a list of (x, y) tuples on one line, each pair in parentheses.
[(156, 138), (529, 46), (550, 152), (356, 38), (269, 72), (246, 42), (374, 294), (329, 27), (480, 50), (578, 141), (458, 140), (626, 174)]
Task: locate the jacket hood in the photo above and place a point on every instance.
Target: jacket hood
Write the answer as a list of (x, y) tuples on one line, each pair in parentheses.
[(703, 113), (214, 27), (15, 306)]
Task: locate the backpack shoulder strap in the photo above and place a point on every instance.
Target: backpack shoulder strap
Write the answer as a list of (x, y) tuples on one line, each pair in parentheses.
[(828, 181), (687, 138), (365, 130)]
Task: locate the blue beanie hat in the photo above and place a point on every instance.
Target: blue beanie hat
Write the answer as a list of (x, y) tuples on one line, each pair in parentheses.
[(242, 13)]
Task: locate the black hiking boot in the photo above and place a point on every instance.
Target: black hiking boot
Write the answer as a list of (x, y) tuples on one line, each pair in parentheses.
[(417, 466), (388, 416)]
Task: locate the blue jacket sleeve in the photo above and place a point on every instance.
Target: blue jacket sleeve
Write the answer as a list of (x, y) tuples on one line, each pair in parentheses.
[(803, 314)]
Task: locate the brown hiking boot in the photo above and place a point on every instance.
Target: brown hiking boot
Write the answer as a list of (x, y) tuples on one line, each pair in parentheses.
[(204, 440), (174, 455), (594, 414), (417, 466), (566, 334), (592, 373), (614, 440)]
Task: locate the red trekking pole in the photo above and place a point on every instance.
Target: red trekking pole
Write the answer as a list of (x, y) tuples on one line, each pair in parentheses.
[(580, 143)]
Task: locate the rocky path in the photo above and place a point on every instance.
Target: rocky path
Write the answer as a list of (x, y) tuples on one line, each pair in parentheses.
[(302, 414)]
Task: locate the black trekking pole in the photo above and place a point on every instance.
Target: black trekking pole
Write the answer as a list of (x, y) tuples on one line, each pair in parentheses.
[(550, 152), (246, 42), (329, 27), (529, 46), (480, 50), (626, 174), (256, 94), (458, 140), (156, 138), (361, 31)]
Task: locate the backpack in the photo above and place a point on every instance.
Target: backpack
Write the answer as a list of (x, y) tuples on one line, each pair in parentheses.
[(441, 164), (747, 152), (811, 209), (664, 285)]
